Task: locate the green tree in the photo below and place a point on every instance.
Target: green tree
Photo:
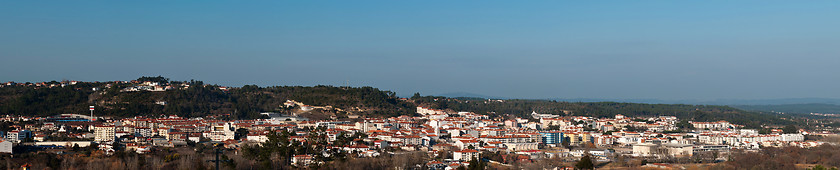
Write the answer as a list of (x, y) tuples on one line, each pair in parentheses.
[(764, 131), (684, 125), (790, 129), (476, 164), (566, 142), (158, 79), (240, 133), (585, 163), (278, 149), (820, 167)]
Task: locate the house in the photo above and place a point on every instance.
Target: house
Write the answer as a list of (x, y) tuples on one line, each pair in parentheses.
[(369, 153), (6, 146), (381, 144), (356, 148), (719, 125), (409, 139), (490, 148), (143, 149), (64, 143), (435, 165), (40, 137), (177, 136), (120, 134), (258, 137), (301, 160), (464, 144), (465, 155), (195, 137)]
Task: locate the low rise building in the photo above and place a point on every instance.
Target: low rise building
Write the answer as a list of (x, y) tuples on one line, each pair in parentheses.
[(465, 155), (6, 146)]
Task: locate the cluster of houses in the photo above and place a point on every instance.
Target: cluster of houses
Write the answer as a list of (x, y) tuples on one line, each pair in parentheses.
[(461, 135), (52, 84), (153, 86), (137, 85)]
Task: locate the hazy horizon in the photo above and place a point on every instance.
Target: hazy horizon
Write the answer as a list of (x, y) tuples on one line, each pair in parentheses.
[(662, 50)]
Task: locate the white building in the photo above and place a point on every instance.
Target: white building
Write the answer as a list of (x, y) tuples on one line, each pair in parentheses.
[(668, 149), (104, 133), (302, 160), (465, 155), (426, 111), (521, 146), (408, 140), (17, 136), (67, 144), (675, 149), (719, 125), (644, 149), (220, 133), (261, 138), (39, 137), (143, 132), (6, 146), (796, 137)]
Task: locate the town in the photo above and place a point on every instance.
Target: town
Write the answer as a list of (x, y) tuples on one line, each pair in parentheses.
[(449, 139)]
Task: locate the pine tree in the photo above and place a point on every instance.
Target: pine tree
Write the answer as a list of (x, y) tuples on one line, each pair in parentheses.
[(585, 163)]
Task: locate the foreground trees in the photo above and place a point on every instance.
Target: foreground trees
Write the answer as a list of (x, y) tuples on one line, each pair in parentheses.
[(585, 163), (786, 158)]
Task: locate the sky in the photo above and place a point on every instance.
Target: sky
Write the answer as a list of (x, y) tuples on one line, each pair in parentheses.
[(677, 50)]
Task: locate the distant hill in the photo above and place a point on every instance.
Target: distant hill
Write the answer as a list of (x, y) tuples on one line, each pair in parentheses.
[(712, 102), (468, 95), (794, 108), (647, 101), (778, 101), (198, 99), (157, 96)]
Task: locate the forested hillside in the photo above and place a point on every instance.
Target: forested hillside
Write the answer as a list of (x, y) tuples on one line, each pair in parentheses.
[(26, 100), (795, 108), (194, 98)]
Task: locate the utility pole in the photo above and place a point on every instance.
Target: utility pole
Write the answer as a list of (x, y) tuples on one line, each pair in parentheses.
[(217, 156)]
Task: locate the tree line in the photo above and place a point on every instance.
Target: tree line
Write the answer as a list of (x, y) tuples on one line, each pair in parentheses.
[(197, 100)]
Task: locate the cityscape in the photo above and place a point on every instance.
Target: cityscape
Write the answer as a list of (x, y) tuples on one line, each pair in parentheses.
[(419, 85), (433, 138)]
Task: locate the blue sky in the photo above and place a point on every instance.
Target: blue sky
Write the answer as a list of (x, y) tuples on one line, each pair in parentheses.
[(532, 49)]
